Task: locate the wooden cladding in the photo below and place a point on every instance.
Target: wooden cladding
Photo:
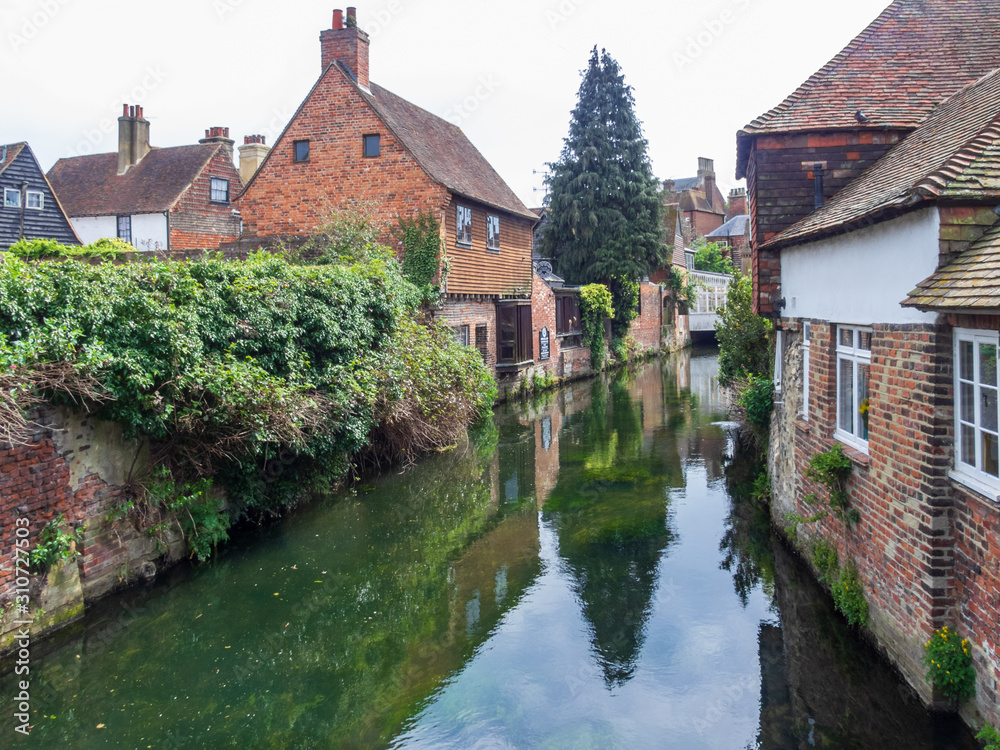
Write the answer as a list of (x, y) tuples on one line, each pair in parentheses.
[(477, 268)]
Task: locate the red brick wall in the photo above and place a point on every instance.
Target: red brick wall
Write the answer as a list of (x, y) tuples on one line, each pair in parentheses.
[(926, 549), (195, 222), (471, 311), (646, 328), (702, 222), (563, 361)]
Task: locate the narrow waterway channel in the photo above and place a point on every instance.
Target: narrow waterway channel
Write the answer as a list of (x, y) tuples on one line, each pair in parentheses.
[(588, 572)]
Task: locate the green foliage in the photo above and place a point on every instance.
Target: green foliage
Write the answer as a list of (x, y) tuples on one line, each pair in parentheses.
[(742, 336), (54, 544), (990, 736), (949, 665), (420, 237), (198, 514), (824, 557), (761, 490), (757, 399), (848, 595), (709, 257), (46, 249), (684, 289), (351, 235), (595, 305), (605, 208), (831, 469)]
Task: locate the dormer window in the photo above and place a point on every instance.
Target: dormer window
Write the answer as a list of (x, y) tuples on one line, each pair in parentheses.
[(11, 198), (372, 145), (35, 200), (220, 190), (301, 151), (463, 226), (492, 232)]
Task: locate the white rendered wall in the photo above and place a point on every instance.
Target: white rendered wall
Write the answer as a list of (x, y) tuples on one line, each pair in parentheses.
[(92, 228), (861, 277), (149, 231)]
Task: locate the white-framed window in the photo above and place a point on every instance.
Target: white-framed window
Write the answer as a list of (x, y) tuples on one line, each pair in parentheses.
[(35, 200), (778, 364), (11, 198), (854, 358), (806, 338), (492, 232), (462, 335), (976, 411), (220, 190), (463, 225)]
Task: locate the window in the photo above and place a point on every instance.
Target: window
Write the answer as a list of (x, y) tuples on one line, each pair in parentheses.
[(35, 200), (568, 320), (220, 190), (372, 145), (125, 228), (11, 198), (481, 343), (778, 364), (463, 225), (854, 356), (492, 232), (976, 415), (462, 335), (806, 337), (301, 150), (513, 334)]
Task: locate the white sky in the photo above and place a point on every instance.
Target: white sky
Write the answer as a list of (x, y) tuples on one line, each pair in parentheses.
[(508, 72)]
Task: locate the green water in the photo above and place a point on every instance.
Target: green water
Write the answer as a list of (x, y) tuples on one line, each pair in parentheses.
[(587, 572)]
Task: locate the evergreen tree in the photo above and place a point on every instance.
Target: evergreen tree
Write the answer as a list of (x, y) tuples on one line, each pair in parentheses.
[(604, 203)]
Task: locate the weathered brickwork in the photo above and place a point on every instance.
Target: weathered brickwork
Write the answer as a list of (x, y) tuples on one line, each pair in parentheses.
[(648, 326), (565, 361), (196, 222), (926, 548), (473, 312), (781, 186)]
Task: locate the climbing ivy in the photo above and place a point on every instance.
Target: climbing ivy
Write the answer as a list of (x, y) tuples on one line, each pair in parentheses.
[(831, 468), (420, 237), (595, 306)]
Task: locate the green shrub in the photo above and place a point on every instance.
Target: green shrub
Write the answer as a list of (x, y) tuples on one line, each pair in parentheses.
[(595, 306), (757, 400), (831, 469), (54, 544), (743, 337), (45, 249), (824, 557), (762, 491), (949, 665), (708, 257), (990, 736), (198, 514), (848, 595)]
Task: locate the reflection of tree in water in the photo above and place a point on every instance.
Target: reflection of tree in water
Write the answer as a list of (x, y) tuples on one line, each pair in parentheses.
[(747, 541), (609, 511)]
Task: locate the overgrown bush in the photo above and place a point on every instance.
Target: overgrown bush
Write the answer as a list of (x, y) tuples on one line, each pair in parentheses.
[(848, 595), (831, 468), (990, 736), (742, 336), (595, 306), (949, 665), (46, 249), (708, 257), (54, 544)]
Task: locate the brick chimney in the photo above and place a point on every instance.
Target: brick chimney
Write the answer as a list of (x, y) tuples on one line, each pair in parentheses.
[(252, 154), (737, 203), (348, 44), (133, 137), (220, 135), (706, 177)]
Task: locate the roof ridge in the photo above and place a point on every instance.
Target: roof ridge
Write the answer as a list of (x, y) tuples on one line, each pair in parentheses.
[(827, 68)]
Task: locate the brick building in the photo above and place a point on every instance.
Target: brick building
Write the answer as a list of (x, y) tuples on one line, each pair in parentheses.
[(352, 141), (883, 290), (170, 199), (700, 203)]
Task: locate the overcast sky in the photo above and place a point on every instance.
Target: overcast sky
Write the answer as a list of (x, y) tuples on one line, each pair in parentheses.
[(507, 72)]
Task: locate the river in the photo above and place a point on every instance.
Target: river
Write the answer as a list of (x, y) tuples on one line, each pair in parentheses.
[(589, 571)]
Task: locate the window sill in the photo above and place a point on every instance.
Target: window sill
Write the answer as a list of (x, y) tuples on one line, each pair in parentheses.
[(465, 245), (512, 366), (853, 449), (802, 425), (988, 491)]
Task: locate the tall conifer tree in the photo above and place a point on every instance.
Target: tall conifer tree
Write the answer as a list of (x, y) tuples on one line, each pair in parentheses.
[(604, 203)]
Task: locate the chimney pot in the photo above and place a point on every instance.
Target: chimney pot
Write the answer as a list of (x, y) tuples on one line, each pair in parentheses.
[(124, 110), (352, 16), (338, 20)]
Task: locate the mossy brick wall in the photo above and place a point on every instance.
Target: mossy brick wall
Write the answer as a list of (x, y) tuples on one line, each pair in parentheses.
[(927, 550), (646, 327)]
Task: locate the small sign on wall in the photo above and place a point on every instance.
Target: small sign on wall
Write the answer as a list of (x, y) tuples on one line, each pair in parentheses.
[(543, 343)]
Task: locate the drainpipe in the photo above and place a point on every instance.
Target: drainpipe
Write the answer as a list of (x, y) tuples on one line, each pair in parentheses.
[(818, 184), (24, 200)]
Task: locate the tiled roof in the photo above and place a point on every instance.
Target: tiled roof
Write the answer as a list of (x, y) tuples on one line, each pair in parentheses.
[(91, 185), (970, 282), (11, 150), (912, 57), (694, 200), (443, 151), (735, 227), (685, 183), (954, 153)]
